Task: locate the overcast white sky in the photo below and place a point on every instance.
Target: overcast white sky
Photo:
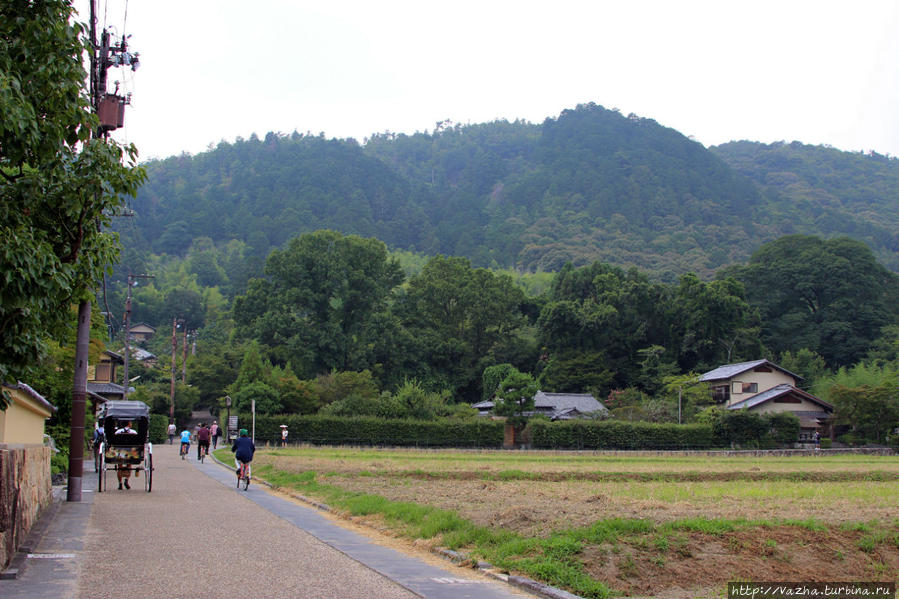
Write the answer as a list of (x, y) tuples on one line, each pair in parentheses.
[(820, 72)]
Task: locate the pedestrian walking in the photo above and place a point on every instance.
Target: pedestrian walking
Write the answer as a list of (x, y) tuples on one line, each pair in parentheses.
[(172, 431), (216, 431), (283, 435)]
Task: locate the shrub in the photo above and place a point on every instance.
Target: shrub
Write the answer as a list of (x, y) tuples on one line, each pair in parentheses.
[(616, 434), (367, 430)]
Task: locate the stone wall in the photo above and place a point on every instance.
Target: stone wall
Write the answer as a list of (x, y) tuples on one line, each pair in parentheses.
[(25, 490)]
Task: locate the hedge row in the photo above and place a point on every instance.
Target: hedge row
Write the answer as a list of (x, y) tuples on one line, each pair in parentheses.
[(618, 434), (331, 430), (159, 423)]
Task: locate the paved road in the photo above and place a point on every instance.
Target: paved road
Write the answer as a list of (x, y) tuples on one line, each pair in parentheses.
[(196, 536)]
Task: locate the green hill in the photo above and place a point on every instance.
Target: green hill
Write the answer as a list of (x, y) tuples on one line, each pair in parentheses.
[(591, 184)]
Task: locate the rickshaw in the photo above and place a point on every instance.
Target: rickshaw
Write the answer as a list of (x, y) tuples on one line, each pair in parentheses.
[(127, 445)]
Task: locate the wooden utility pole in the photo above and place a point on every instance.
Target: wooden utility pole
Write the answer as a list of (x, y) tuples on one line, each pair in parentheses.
[(79, 403), (174, 347), (82, 338), (98, 67), (184, 356)]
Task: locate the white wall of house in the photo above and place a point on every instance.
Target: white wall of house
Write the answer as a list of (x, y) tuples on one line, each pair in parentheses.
[(741, 385)]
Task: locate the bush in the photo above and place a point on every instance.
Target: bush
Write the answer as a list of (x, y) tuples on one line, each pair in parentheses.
[(783, 428), (158, 425), (616, 434), (364, 430)]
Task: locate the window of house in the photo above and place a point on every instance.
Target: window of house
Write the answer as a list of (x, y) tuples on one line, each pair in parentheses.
[(102, 372), (721, 393), (787, 399), (741, 387)]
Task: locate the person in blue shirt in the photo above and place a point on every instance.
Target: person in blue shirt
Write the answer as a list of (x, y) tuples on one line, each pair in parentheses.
[(185, 443), (243, 449)]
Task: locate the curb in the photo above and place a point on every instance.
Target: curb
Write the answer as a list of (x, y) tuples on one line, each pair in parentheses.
[(460, 559)]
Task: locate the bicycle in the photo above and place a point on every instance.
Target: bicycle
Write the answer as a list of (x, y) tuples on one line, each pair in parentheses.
[(244, 472), (203, 450), (185, 448)]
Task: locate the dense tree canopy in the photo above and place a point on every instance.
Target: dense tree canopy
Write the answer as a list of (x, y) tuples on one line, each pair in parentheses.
[(829, 296), (57, 186), (319, 300), (591, 184)]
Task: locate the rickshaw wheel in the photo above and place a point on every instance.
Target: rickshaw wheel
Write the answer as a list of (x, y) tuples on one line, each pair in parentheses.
[(101, 469), (148, 471)]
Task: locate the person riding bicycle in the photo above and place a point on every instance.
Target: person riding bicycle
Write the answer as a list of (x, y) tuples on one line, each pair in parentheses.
[(202, 440), (243, 449), (185, 443)]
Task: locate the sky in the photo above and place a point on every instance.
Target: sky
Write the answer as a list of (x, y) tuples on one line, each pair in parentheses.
[(818, 72)]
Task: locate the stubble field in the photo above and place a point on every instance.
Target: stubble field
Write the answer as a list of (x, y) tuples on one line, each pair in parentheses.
[(599, 524)]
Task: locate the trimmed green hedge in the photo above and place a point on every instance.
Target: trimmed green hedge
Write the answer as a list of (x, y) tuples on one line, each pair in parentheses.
[(331, 430), (480, 433), (158, 425), (619, 434)]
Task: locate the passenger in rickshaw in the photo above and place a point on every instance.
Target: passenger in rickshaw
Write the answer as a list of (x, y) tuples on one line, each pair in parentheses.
[(126, 429)]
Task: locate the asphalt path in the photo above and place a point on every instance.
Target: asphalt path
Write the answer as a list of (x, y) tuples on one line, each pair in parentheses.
[(197, 536)]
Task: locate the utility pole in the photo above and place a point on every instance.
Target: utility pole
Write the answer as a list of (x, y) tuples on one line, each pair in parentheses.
[(131, 283), (101, 102), (174, 347), (184, 356)]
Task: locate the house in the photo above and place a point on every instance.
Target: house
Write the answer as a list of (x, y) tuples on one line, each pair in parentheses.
[(763, 387), (101, 380), (105, 369), (144, 357), (141, 332), (556, 406), (22, 422)]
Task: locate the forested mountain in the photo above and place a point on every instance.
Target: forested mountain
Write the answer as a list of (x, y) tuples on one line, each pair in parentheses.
[(823, 191), (589, 185)]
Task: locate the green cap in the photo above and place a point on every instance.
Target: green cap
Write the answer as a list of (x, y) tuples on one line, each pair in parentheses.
[(243, 432)]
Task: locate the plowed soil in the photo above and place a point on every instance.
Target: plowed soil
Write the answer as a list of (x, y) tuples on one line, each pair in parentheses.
[(537, 502)]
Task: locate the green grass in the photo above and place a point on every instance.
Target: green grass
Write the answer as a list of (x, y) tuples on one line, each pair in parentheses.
[(557, 559), (554, 560)]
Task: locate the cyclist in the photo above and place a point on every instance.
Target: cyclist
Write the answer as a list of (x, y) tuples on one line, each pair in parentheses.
[(185, 442), (202, 441), (243, 449)]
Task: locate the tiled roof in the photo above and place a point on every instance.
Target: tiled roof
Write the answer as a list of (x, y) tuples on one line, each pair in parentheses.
[(32, 394), (105, 388), (583, 403), (727, 371), (774, 392)]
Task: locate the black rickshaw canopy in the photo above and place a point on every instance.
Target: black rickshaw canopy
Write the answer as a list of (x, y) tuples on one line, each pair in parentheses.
[(125, 410)]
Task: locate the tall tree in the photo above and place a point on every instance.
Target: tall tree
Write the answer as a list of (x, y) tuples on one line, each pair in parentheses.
[(715, 322), (57, 186), (462, 318), (830, 296), (316, 306)]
